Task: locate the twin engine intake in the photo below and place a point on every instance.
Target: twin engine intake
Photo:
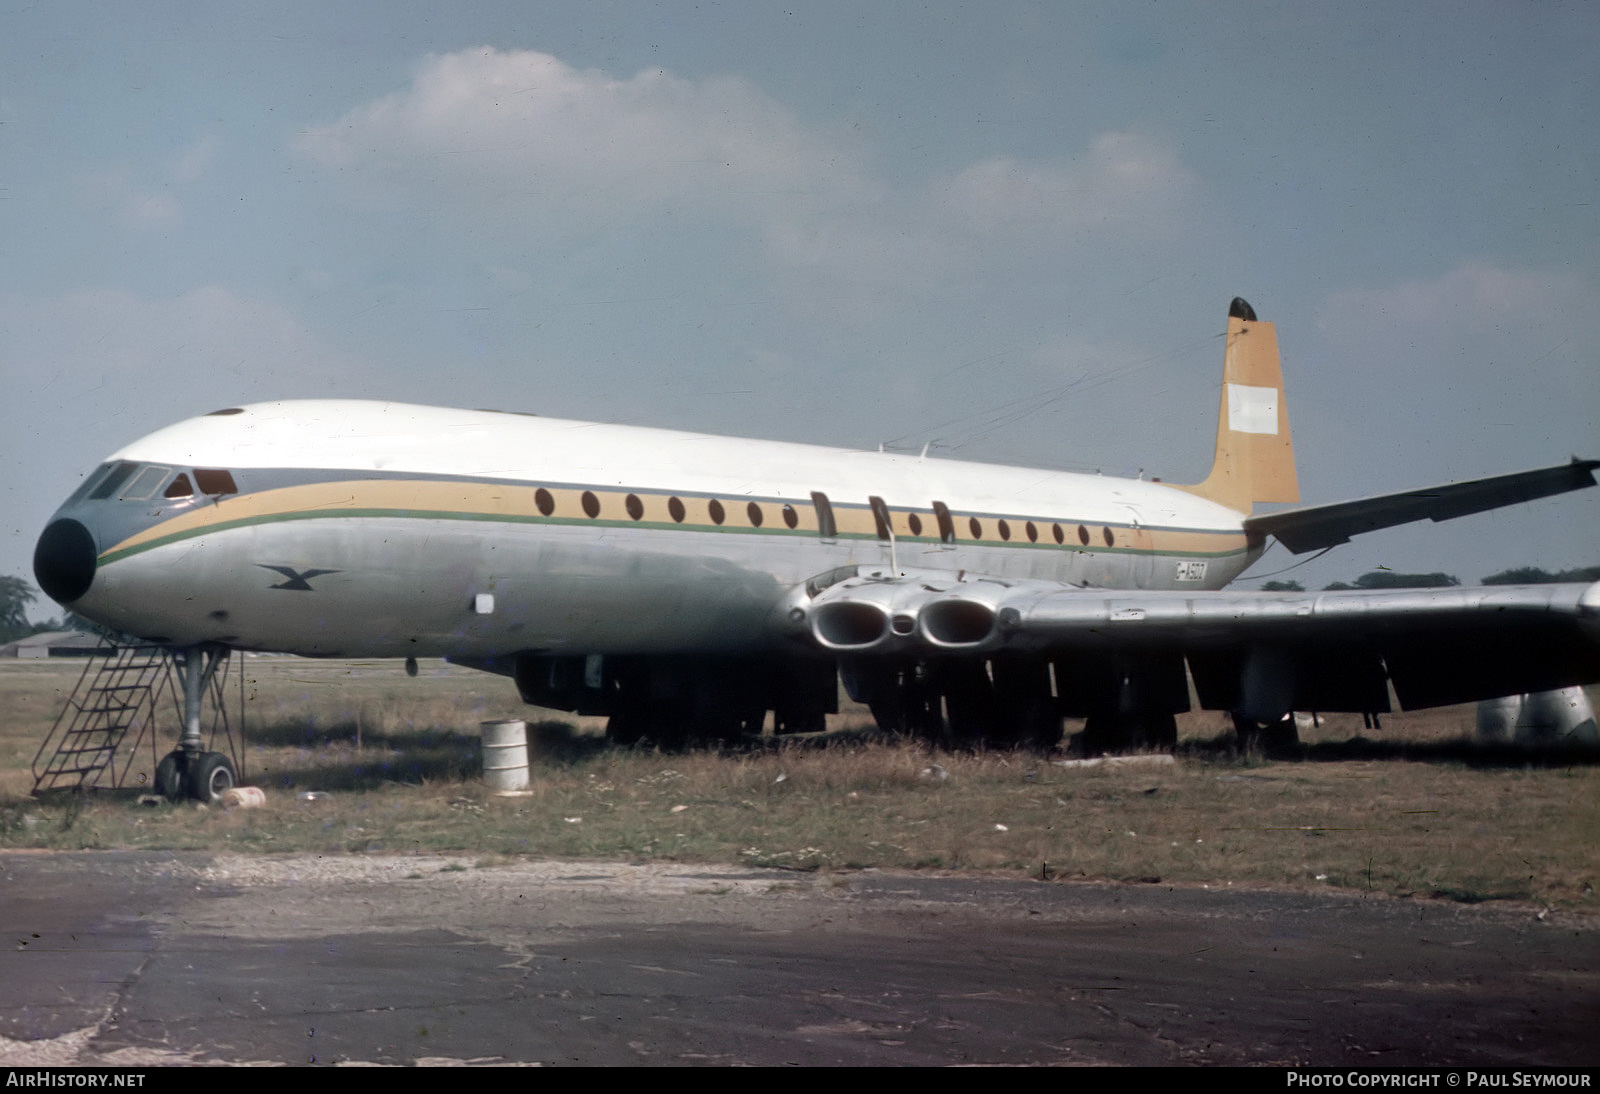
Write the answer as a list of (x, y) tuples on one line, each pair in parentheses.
[(859, 610)]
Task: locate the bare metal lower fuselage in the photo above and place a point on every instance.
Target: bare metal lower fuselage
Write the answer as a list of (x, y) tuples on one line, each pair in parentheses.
[(399, 586)]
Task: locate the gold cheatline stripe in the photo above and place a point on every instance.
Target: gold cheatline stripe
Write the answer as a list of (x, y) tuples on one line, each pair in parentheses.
[(509, 501)]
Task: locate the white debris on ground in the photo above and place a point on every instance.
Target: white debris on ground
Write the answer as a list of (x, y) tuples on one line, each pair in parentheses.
[(1155, 760)]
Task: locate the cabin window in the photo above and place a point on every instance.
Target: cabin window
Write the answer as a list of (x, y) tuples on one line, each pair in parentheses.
[(1055, 530), (591, 504), (214, 482), (634, 506), (977, 528), (914, 522), (675, 509), (718, 514), (1107, 535), (825, 526), (116, 477), (1083, 535), (947, 524), (546, 503), (753, 511), (1033, 533), (790, 517), (179, 488), (1005, 530)]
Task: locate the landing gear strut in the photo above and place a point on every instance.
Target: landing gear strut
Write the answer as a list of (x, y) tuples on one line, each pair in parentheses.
[(189, 770), (674, 702), (962, 703)]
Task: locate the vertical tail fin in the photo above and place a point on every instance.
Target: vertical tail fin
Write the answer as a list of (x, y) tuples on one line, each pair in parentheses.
[(1255, 457)]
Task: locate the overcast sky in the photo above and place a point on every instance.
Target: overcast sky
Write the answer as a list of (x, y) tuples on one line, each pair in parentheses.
[(1010, 230)]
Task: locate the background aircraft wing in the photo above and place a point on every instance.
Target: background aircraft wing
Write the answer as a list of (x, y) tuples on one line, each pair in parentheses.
[(1324, 651), (1312, 527)]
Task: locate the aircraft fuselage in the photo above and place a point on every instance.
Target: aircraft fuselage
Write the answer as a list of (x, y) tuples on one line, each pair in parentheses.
[(345, 528)]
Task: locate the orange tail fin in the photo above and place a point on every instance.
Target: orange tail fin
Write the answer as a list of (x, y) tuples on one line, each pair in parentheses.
[(1255, 457)]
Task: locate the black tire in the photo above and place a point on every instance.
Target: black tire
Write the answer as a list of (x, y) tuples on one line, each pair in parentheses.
[(211, 777), (1100, 735), (1118, 734), (172, 776), (1281, 739)]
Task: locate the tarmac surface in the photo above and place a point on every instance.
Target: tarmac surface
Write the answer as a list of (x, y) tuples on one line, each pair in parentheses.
[(131, 959)]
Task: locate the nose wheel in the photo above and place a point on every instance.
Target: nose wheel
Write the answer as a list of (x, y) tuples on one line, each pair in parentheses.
[(211, 777), (204, 777)]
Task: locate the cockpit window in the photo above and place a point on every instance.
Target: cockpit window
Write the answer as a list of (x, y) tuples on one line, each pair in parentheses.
[(214, 482), (116, 477), (127, 480), (145, 483), (90, 481)]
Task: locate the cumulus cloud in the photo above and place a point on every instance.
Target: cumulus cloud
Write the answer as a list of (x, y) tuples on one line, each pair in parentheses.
[(1507, 349), (492, 122), (114, 193), (1122, 180), (994, 214), (522, 141), (1473, 298), (1471, 325), (146, 205)]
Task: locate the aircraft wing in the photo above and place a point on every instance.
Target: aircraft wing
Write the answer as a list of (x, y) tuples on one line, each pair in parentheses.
[(1316, 526), (1324, 651)]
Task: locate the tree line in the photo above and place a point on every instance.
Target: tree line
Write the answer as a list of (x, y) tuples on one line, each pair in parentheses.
[(15, 596), (1389, 579)]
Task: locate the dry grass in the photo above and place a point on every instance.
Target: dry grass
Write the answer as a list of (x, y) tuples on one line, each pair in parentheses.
[(1438, 817)]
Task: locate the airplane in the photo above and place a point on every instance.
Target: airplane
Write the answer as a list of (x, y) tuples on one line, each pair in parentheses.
[(686, 585)]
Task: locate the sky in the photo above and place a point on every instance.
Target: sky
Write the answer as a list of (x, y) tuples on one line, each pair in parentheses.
[(1007, 231)]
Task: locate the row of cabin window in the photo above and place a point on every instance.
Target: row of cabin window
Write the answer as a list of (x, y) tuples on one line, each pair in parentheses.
[(546, 504)]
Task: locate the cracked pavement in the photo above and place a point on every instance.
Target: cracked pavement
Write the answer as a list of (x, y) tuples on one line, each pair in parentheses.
[(130, 959)]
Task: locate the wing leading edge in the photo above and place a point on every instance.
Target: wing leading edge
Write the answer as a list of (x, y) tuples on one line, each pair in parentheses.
[(1313, 527), (1265, 653)]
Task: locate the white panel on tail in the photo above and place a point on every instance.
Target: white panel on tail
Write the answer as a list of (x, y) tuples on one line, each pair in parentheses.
[(1252, 409)]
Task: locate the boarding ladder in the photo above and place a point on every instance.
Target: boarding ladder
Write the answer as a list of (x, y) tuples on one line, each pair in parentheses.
[(126, 694)]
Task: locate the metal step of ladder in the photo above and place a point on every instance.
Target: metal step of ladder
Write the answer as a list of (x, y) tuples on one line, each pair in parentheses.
[(125, 691)]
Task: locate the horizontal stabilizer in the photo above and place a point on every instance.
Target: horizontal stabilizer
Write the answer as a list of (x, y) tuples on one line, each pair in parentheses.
[(1314, 527)]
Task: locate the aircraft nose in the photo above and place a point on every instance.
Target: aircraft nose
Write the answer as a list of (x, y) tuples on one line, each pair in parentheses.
[(64, 560)]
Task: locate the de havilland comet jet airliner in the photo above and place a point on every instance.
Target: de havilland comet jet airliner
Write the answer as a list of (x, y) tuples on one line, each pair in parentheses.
[(686, 584)]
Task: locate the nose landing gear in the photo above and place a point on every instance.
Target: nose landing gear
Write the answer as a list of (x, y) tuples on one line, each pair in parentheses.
[(189, 770)]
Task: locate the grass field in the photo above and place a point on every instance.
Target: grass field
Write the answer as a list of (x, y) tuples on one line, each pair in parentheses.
[(1416, 810)]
